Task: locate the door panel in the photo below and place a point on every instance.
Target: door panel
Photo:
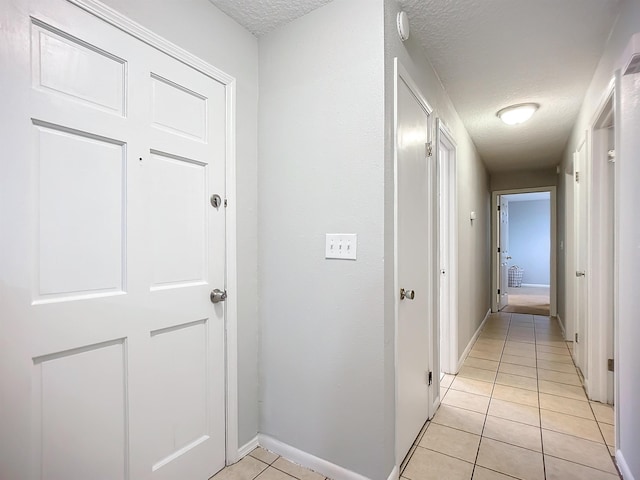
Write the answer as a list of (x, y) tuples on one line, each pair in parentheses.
[(80, 400), (116, 352), (178, 233), (581, 239), (81, 190), (503, 225), (414, 247)]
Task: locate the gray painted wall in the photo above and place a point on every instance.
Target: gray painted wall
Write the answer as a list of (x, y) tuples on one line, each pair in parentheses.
[(546, 177), (321, 137), (627, 176), (529, 239), (199, 27)]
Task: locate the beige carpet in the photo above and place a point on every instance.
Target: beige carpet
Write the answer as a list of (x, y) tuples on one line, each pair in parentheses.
[(529, 304)]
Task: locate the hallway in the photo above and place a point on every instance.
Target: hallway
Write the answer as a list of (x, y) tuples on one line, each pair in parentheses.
[(517, 408)]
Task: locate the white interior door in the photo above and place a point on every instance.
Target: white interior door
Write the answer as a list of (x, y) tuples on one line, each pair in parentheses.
[(116, 352), (503, 226), (414, 247), (447, 309), (581, 255), (444, 247)]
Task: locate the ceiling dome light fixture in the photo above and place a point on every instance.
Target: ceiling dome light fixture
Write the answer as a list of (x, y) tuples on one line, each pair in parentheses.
[(516, 114)]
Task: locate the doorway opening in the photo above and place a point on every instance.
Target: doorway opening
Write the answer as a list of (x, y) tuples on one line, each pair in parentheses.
[(524, 252)]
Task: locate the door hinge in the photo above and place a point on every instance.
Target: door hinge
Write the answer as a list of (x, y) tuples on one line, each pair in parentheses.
[(225, 203), (577, 338), (429, 147), (577, 176), (498, 291), (498, 249), (498, 207), (430, 378), (610, 365)]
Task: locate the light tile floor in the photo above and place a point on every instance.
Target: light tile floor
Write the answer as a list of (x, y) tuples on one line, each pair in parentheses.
[(264, 465), (516, 409)]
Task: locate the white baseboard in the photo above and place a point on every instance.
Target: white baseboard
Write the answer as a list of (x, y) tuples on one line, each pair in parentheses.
[(395, 474), (463, 357), (307, 460), (564, 332), (535, 285), (622, 465), (247, 448)]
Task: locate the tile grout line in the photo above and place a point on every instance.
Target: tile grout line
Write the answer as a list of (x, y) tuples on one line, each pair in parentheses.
[(544, 463), (475, 462)]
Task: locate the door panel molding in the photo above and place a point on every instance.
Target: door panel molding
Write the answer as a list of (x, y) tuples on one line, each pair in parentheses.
[(448, 232)]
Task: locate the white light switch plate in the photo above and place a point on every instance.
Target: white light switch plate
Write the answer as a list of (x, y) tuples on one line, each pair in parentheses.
[(342, 246)]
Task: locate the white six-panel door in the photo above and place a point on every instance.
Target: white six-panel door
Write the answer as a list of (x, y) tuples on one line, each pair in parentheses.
[(113, 354)]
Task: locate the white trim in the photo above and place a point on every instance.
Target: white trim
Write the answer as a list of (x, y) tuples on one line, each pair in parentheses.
[(451, 267), (616, 261), (553, 268), (542, 285), (472, 341), (118, 20), (307, 460), (581, 347), (231, 279), (396, 306), (622, 465), (248, 447)]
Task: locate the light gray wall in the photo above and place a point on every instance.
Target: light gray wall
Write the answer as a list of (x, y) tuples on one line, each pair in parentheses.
[(321, 170), (474, 256), (628, 236), (199, 27), (546, 177), (529, 239)]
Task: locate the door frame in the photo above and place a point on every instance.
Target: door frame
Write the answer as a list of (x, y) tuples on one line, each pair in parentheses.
[(402, 75), (120, 21), (447, 233), (580, 354), (602, 265), (495, 258)]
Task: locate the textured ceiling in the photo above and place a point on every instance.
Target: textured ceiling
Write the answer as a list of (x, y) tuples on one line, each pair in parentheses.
[(490, 54), (493, 53), (262, 16)]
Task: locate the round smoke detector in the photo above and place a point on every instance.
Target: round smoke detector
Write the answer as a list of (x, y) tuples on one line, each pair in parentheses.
[(403, 26)]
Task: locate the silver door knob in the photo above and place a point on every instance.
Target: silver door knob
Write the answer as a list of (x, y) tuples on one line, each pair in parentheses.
[(408, 294), (579, 274), (218, 296)]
